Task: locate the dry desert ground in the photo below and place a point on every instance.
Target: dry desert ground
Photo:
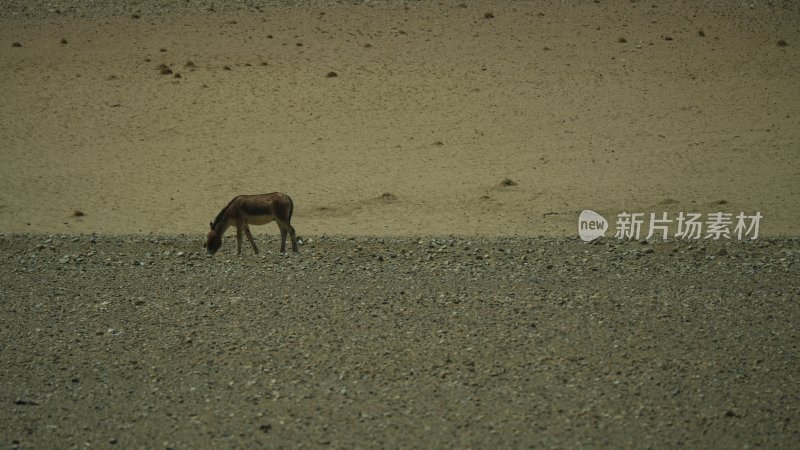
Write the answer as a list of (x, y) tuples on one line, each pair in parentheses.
[(439, 155)]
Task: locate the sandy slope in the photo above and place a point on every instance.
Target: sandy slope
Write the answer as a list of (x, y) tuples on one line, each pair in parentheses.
[(434, 104)]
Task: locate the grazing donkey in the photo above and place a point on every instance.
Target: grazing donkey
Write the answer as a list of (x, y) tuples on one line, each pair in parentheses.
[(244, 210)]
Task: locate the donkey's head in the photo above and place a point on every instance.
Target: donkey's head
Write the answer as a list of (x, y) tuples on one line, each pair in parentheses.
[(213, 241)]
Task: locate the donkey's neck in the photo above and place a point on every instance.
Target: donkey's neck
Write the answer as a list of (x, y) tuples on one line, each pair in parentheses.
[(221, 226)]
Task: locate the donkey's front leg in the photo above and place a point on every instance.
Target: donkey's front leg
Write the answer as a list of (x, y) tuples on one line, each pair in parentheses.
[(239, 239), (250, 238)]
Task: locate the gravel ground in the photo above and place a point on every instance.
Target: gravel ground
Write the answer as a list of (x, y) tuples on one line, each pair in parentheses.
[(145, 342)]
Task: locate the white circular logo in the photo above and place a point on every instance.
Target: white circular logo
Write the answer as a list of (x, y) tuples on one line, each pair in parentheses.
[(591, 225)]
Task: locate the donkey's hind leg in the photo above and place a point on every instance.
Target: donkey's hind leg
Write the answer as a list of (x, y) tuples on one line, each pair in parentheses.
[(287, 230), (283, 237), (250, 238), (294, 238)]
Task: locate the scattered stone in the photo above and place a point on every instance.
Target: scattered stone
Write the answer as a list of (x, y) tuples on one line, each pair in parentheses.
[(731, 413)]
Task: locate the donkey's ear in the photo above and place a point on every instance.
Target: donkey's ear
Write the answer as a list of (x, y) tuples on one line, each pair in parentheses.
[(211, 225)]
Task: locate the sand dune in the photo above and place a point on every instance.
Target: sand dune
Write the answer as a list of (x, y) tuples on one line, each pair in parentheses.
[(434, 104)]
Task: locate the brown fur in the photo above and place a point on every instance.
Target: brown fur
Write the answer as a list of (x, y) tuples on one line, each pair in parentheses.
[(257, 210)]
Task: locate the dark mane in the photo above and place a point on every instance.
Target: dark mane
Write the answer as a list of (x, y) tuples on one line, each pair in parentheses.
[(221, 214)]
